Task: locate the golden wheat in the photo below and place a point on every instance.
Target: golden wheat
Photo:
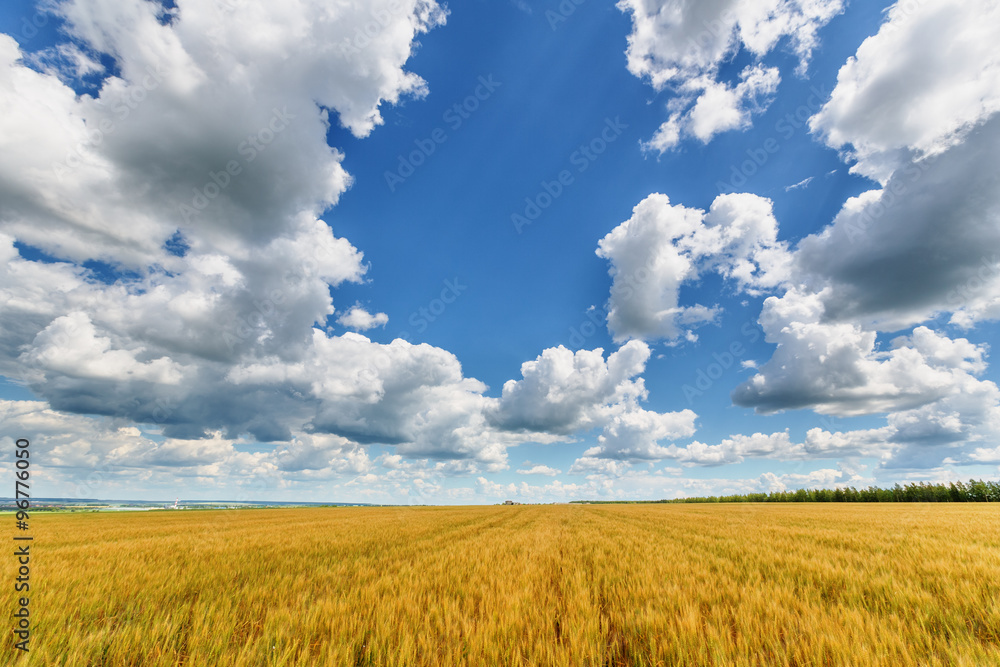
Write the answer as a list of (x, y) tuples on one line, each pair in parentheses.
[(800, 584)]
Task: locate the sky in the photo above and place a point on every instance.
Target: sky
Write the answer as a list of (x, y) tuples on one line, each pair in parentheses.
[(411, 252)]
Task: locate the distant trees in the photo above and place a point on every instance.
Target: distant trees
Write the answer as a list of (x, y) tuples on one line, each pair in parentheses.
[(975, 491)]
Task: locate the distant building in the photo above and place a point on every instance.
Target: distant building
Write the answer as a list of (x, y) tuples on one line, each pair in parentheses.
[(508, 502)]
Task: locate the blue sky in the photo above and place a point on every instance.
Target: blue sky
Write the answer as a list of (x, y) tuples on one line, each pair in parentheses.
[(498, 250)]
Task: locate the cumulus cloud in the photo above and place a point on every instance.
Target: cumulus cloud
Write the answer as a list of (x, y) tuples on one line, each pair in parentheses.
[(412, 396), (70, 347), (936, 56), (683, 44), (539, 469), (214, 122), (824, 478), (837, 368), (737, 447), (318, 452), (198, 171), (159, 349), (719, 107), (925, 383), (662, 246), (955, 429), (924, 244), (952, 428), (198, 129), (563, 391), (921, 245), (880, 443), (359, 319), (927, 241), (596, 467), (875, 443), (635, 434), (89, 457)]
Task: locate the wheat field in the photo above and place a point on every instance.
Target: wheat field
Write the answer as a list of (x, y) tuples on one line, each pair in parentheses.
[(795, 584)]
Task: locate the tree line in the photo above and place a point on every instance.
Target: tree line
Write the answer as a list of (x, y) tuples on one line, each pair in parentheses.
[(975, 491)]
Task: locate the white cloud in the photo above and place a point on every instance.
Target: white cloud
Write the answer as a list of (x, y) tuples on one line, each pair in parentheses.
[(412, 396), (870, 442), (634, 434), (211, 135), (566, 392), (836, 368), (824, 478), (663, 246), (926, 243), (70, 346), (683, 44), (359, 319), (595, 467), (951, 428), (320, 452), (923, 245), (216, 123), (737, 447), (89, 457), (180, 452), (937, 56), (539, 469), (801, 185), (926, 383), (563, 391), (719, 107)]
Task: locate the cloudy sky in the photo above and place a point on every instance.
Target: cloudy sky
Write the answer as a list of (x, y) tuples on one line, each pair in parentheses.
[(398, 251)]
